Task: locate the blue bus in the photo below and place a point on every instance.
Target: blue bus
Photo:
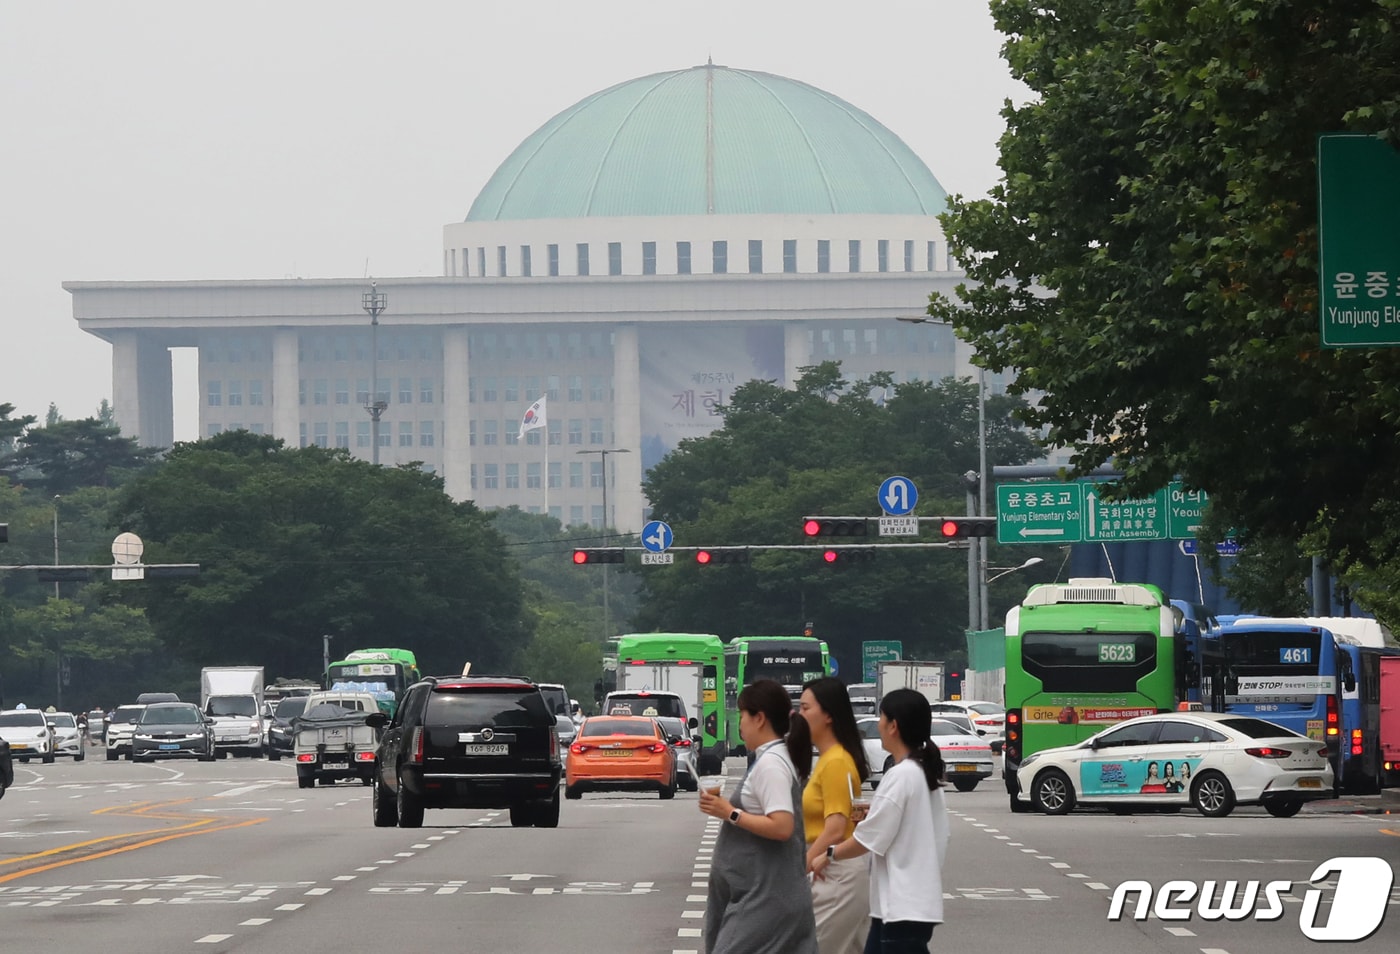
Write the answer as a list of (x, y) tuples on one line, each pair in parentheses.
[(1318, 676)]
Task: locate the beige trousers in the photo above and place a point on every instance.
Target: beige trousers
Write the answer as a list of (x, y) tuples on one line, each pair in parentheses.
[(841, 903)]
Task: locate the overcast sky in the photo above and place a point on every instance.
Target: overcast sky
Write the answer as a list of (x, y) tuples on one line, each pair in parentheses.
[(156, 141)]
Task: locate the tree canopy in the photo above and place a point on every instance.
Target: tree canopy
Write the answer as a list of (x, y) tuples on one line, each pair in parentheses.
[(822, 448), (1150, 260), (297, 543)]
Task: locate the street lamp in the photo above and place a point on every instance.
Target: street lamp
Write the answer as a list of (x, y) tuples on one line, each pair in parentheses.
[(1006, 570), (977, 554), (55, 541), (374, 302), (603, 457)]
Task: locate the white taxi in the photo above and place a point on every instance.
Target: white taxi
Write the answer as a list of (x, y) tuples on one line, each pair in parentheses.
[(967, 759), (28, 734), (1212, 761)]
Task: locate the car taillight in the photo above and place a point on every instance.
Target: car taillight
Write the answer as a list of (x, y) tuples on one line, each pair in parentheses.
[(417, 746), (1355, 741), (683, 743), (554, 745), (364, 756), (1268, 752), (657, 747), (1322, 752), (1331, 716), (578, 748), (306, 757)]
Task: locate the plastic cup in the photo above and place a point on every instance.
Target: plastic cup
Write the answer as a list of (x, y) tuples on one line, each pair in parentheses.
[(714, 784), (860, 807)]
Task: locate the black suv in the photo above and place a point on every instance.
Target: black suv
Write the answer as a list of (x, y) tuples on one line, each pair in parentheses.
[(468, 742)]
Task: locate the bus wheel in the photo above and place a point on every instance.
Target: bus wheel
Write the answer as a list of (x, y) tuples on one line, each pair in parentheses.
[(1212, 795), (1286, 809), (1019, 808), (1052, 793)]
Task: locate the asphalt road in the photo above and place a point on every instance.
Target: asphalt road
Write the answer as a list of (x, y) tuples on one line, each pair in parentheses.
[(231, 856)]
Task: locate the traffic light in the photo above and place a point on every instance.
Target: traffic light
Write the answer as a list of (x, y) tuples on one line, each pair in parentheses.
[(603, 555), (65, 574), (718, 556), (960, 528), (834, 526), (4, 533), (844, 556)]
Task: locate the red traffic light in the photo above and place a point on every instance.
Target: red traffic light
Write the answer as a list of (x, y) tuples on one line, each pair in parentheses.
[(830, 556), (949, 528), (703, 557), (580, 556), (835, 526), (812, 528), (602, 555), (958, 528)]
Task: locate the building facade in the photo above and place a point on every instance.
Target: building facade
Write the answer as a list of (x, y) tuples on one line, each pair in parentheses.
[(633, 261)]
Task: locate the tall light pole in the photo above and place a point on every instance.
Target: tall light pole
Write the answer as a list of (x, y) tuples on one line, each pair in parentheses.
[(977, 552), (55, 541), (603, 456), (374, 302), (985, 620)]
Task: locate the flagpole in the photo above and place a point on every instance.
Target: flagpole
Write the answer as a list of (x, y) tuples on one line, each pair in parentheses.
[(546, 465)]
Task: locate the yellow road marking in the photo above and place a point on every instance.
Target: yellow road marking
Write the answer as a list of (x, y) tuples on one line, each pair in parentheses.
[(1387, 831), (194, 825)]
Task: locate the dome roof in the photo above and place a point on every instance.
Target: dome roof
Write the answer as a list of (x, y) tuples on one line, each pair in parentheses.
[(709, 140)]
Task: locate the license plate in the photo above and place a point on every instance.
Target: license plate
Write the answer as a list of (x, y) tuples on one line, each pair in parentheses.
[(169, 745), (964, 768), (18, 745), (479, 749), (616, 753), (1309, 783)]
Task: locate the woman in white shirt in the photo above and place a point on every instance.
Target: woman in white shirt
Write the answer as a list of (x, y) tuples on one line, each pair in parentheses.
[(906, 832), (759, 901)]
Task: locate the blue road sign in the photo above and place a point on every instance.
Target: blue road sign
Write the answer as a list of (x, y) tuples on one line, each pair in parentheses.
[(1224, 547), (898, 495), (657, 536)]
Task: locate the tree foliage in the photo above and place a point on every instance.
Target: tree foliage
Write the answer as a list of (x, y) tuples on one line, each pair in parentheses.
[(1150, 259), (67, 455), (297, 543), (822, 448)]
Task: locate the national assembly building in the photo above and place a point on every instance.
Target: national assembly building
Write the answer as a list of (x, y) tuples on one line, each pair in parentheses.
[(634, 261)]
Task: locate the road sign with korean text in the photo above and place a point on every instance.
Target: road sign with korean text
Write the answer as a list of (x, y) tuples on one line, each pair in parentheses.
[(1358, 186), (1040, 513)]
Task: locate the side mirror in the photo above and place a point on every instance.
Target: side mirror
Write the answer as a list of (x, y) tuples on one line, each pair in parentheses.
[(1094, 743), (376, 720), (693, 722), (1349, 682), (672, 739), (696, 740)]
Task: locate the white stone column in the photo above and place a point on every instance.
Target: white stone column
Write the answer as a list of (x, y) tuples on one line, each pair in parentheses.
[(141, 389), (797, 351), (625, 494), (456, 412), (286, 386)]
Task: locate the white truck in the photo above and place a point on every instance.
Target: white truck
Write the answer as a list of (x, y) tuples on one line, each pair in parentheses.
[(683, 680), (331, 739), (232, 698), (923, 677)]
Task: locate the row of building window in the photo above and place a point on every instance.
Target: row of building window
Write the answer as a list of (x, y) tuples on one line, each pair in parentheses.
[(508, 432), (231, 393), (507, 476), (887, 255)]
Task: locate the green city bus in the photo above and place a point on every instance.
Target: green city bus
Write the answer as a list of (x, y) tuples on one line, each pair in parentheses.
[(790, 660), (1081, 656), (648, 660), (385, 673)]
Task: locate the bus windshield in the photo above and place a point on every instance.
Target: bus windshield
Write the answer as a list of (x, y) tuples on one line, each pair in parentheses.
[(1089, 662)]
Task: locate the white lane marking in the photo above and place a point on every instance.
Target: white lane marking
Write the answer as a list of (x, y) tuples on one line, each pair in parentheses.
[(688, 932), (1179, 931), (692, 898), (692, 915), (255, 922), (289, 907), (448, 889), (212, 938), (241, 790), (403, 854), (1068, 875), (344, 878), (1096, 885), (420, 846), (1029, 851), (1059, 864), (317, 892), (371, 868), (435, 838)]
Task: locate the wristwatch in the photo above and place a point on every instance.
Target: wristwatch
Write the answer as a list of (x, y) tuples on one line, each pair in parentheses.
[(734, 816), (830, 852)]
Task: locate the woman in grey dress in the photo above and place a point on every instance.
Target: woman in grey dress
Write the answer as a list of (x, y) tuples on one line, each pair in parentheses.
[(759, 899)]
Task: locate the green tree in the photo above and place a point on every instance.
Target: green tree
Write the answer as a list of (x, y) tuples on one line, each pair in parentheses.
[(67, 455), (1149, 261), (822, 448), (11, 429), (294, 544)]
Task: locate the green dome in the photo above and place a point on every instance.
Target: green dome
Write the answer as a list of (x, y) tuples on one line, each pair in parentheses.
[(709, 140)]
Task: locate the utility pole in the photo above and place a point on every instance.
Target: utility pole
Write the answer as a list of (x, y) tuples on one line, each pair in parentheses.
[(374, 302), (603, 456)]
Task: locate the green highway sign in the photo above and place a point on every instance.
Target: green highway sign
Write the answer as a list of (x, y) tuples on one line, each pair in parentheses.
[(1184, 511), (1358, 187), (1041, 512), (1135, 518), (878, 650), (1035, 512)]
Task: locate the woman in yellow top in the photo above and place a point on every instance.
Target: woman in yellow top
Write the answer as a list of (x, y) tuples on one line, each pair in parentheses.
[(841, 894)]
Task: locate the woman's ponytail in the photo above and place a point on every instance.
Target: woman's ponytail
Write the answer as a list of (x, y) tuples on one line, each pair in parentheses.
[(909, 711)]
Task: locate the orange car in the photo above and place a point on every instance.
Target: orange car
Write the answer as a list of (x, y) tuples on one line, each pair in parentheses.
[(620, 752)]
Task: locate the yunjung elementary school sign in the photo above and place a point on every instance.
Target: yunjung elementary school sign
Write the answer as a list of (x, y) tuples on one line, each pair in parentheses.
[(1358, 183)]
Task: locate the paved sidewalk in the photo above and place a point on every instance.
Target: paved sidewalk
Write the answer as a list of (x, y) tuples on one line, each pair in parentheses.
[(1385, 803)]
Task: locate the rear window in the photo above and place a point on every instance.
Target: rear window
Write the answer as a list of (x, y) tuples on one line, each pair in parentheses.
[(947, 727), (869, 729), (502, 708), (640, 705), (292, 707), (603, 727), (556, 698), (128, 714), (1256, 728)]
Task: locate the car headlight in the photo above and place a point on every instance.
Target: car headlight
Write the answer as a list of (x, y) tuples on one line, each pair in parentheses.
[(1029, 759)]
